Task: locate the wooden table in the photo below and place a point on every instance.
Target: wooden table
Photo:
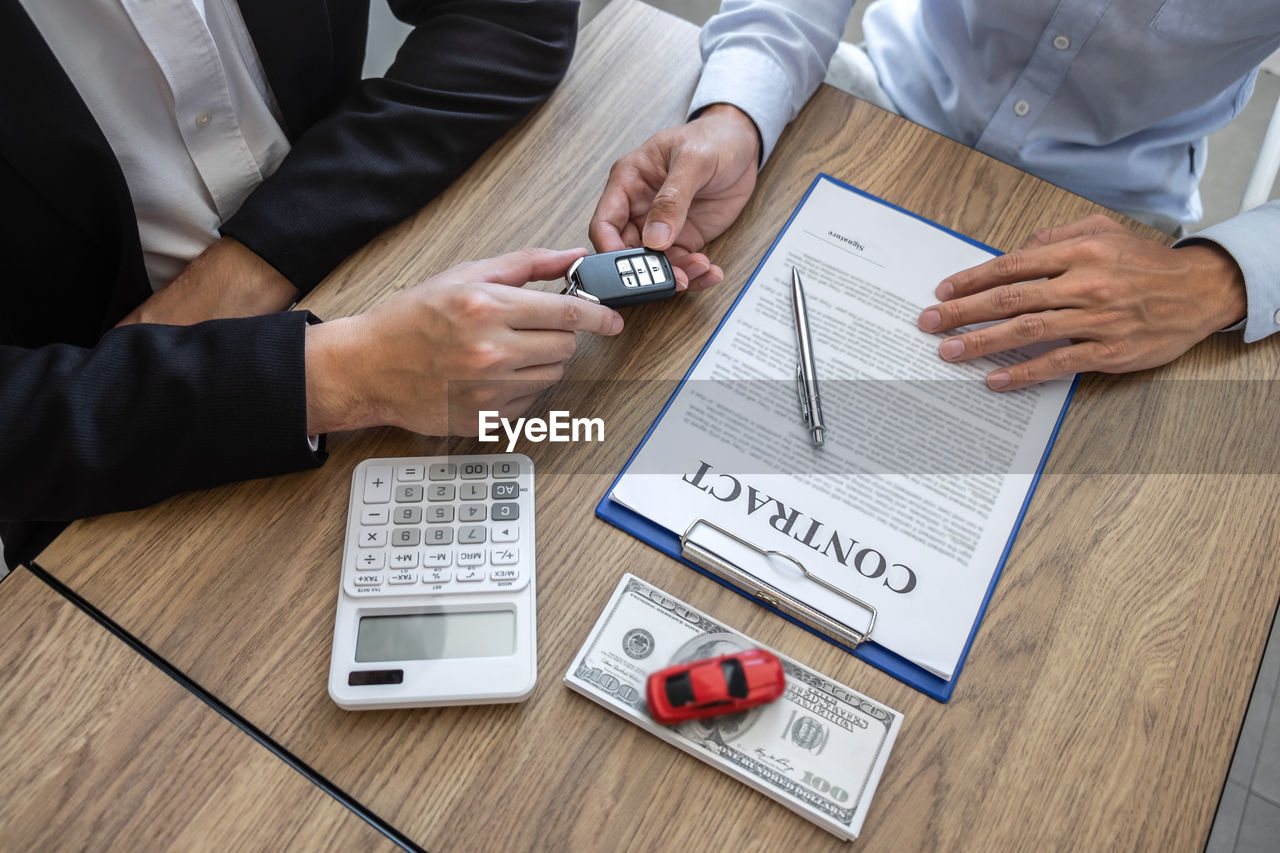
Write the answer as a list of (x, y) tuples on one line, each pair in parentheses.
[(99, 749), (1100, 704)]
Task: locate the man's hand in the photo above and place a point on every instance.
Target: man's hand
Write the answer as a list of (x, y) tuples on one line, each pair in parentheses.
[(680, 190), (1125, 303), (225, 280), (465, 340)]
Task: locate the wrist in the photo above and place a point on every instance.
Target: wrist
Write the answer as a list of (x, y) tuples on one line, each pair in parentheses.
[(1228, 301), (738, 125), (225, 280), (338, 390), (230, 280), (259, 287)]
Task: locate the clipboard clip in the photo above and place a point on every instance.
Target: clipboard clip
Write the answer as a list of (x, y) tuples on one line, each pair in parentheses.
[(769, 594)]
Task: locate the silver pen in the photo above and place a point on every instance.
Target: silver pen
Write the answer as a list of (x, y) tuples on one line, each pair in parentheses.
[(806, 372)]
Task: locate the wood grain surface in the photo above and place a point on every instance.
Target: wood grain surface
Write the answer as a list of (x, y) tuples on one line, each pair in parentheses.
[(1100, 703), (100, 750)]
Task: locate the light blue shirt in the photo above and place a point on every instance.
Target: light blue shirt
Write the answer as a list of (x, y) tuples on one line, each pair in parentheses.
[(1111, 99)]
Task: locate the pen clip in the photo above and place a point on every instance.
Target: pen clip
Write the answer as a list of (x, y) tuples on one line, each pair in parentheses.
[(805, 415)]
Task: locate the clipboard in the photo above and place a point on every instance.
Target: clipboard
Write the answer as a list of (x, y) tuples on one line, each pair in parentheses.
[(865, 648)]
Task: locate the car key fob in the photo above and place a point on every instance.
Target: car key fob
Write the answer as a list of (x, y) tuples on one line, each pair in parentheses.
[(628, 277)]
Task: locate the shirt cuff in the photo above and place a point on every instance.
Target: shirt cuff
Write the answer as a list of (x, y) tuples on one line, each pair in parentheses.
[(1253, 240), (754, 83), (315, 442)]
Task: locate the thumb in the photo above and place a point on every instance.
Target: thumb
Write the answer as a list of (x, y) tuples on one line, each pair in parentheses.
[(689, 173)]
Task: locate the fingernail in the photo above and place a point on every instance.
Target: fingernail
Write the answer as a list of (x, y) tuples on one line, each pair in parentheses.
[(616, 326), (930, 320), (945, 290), (657, 235), (999, 379), (951, 349)]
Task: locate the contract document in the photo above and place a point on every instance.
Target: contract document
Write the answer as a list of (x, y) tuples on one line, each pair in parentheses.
[(912, 503)]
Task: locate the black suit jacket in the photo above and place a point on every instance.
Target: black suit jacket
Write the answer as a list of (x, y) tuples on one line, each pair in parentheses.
[(95, 419)]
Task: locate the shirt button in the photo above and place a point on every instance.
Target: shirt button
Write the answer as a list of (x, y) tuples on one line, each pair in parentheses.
[(1021, 108), (203, 120), (1277, 317), (1061, 42)]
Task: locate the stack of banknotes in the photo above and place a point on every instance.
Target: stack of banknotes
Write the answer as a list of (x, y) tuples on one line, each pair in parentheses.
[(819, 750)]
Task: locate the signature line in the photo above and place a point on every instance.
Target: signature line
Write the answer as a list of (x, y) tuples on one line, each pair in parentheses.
[(844, 249)]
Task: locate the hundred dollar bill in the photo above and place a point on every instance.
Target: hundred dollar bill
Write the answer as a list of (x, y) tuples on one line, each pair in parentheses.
[(819, 750)]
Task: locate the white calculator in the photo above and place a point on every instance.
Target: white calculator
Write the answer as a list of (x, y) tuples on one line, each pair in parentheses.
[(436, 605)]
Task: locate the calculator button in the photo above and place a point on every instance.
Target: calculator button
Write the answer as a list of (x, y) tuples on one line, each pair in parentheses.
[(377, 484), (439, 514), (655, 268), (406, 537), (437, 558), (624, 266), (408, 514), (506, 512), (628, 280), (473, 557), (473, 535), (373, 537), (504, 491), (439, 535), (442, 493), (404, 560), (409, 473), (371, 561), (469, 513), (643, 278), (403, 577), (369, 580), (504, 556), (470, 575), (375, 515), (437, 576), (505, 533), (475, 471), (474, 491), (409, 494), (504, 575), (442, 471), (506, 470)]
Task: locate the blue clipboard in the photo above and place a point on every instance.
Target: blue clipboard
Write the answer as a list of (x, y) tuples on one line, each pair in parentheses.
[(669, 542)]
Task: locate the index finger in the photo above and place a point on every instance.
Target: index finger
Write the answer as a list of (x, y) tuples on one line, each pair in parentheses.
[(1094, 223), (613, 211), (609, 219), (522, 266), (1016, 266), (535, 309)]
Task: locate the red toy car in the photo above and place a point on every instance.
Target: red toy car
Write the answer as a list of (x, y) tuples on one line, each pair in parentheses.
[(708, 688)]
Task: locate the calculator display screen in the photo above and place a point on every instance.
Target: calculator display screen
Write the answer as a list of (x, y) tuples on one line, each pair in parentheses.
[(436, 636)]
